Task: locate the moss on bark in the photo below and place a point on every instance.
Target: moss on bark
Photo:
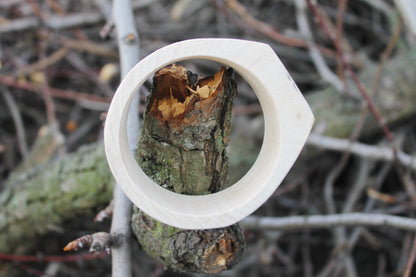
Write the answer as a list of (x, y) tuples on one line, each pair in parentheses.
[(185, 152), (42, 198)]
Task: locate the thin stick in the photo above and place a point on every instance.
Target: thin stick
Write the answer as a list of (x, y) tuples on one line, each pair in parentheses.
[(344, 256), (411, 260), (314, 52), (380, 6), (332, 265), (55, 92), (88, 46), (128, 43), (18, 122), (61, 258), (120, 225), (263, 27), (361, 149), (358, 186), (384, 57), (20, 24), (347, 65), (59, 22), (328, 221), (339, 233), (46, 94), (342, 4), (43, 63), (267, 30)]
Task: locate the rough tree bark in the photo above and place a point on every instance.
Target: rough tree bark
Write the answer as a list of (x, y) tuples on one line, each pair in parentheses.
[(92, 181), (42, 198), (182, 147), (395, 99)]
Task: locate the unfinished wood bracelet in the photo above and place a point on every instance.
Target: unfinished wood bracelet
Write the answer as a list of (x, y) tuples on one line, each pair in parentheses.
[(287, 117)]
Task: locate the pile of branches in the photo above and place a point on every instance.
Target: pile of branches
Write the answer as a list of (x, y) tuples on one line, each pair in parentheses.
[(345, 209)]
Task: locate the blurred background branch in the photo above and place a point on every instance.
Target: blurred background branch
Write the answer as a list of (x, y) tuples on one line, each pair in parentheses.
[(59, 65)]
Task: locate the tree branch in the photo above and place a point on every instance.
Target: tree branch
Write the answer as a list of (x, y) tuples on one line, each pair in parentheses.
[(314, 52), (128, 43), (361, 149), (18, 122), (328, 221)]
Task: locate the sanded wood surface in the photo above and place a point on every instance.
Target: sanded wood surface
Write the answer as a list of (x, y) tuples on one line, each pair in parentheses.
[(288, 121)]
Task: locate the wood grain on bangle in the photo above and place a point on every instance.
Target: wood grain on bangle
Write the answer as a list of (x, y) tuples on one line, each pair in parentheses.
[(288, 120)]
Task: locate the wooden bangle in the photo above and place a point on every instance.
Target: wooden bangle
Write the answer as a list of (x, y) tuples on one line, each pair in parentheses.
[(288, 121)]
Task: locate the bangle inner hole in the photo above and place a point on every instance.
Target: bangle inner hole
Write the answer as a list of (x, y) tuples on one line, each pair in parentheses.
[(182, 154)]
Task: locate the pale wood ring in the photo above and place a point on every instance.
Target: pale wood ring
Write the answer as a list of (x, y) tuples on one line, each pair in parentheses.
[(288, 121)]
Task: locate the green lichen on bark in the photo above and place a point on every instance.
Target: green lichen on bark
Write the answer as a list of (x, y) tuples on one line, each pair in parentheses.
[(42, 198), (186, 152), (337, 116), (207, 251)]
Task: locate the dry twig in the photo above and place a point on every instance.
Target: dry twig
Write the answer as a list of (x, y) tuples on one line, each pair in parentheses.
[(339, 33), (50, 258), (328, 221), (21, 24), (106, 213), (89, 47), (314, 52), (43, 63), (267, 30), (347, 65), (361, 149), (97, 242), (128, 43), (18, 122), (411, 260), (56, 22), (55, 92)]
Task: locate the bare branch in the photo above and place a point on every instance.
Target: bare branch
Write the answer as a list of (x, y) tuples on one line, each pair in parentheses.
[(120, 225), (379, 5), (97, 243), (59, 22), (43, 63), (386, 130), (314, 52), (18, 122), (25, 23), (407, 10), (411, 260), (128, 43), (328, 221), (56, 22), (268, 30), (361, 149), (89, 47), (106, 213)]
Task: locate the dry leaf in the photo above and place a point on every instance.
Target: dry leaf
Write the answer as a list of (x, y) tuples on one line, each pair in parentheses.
[(381, 196), (108, 72), (37, 77)]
